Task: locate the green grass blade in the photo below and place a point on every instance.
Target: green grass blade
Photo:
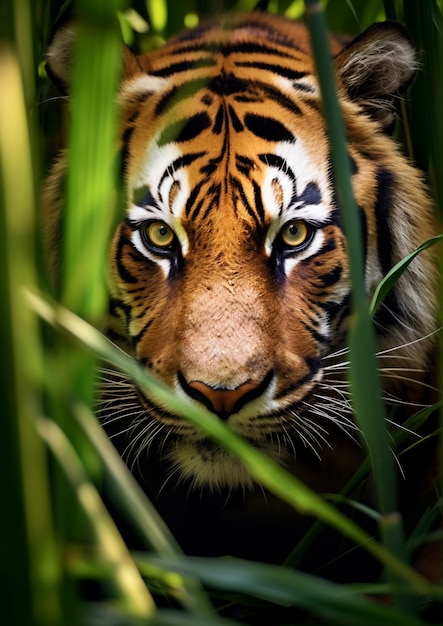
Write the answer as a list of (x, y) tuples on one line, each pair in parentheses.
[(364, 378), (285, 587), (136, 508), (387, 283), (28, 562), (89, 214), (86, 222), (131, 590)]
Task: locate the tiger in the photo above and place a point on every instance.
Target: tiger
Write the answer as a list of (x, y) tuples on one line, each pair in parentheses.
[(229, 277)]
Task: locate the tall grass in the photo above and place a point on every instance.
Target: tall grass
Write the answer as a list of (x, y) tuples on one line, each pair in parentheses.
[(55, 529)]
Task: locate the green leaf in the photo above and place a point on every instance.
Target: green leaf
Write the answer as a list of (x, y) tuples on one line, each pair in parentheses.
[(385, 285), (284, 587)]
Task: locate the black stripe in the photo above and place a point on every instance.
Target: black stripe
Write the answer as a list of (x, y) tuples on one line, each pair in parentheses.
[(279, 98), (244, 164), (332, 277), (236, 184), (275, 68), (337, 311), (119, 255), (273, 160), (196, 210), (314, 365), (258, 201), (385, 184), (215, 191), (226, 85), (261, 48), (183, 66), (117, 308), (137, 338), (193, 197), (388, 314), (321, 339), (235, 120), (219, 120), (211, 166), (328, 247), (179, 163), (124, 152), (215, 47), (185, 129), (267, 128)]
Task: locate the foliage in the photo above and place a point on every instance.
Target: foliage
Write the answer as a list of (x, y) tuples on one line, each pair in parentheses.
[(56, 532)]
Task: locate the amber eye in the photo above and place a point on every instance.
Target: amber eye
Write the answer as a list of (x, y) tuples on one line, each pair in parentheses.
[(296, 234), (158, 235)]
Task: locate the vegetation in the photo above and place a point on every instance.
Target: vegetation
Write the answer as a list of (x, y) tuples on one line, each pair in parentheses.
[(55, 531)]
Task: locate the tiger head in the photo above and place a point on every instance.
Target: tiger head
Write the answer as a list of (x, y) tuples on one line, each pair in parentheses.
[(229, 275)]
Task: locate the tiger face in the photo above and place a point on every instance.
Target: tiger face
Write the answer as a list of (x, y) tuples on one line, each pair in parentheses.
[(229, 276)]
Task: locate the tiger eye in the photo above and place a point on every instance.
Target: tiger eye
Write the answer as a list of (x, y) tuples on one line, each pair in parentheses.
[(295, 234), (160, 235)]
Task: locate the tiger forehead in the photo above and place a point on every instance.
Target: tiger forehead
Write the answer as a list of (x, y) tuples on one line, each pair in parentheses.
[(219, 87), (230, 117), (223, 106)]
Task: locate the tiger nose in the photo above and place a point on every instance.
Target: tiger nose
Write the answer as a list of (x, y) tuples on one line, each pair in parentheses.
[(225, 402)]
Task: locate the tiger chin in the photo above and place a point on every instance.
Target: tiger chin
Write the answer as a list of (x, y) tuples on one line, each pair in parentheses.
[(229, 275)]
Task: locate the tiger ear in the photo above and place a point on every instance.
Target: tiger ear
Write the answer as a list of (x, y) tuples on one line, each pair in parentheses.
[(60, 56), (376, 67)]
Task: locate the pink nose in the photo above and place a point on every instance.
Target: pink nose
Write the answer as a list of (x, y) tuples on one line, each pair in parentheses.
[(223, 401)]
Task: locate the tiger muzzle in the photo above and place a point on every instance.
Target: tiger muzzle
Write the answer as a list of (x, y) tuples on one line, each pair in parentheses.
[(224, 402)]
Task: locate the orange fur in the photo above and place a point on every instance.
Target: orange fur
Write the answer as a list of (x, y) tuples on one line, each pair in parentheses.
[(229, 142)]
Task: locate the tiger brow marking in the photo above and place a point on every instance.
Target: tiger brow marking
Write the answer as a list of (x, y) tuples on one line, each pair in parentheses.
[(180, 163), (237, 186), (258, 201), (213, 193), (274, 160), (275, 68), (193, 197), (244, 164)]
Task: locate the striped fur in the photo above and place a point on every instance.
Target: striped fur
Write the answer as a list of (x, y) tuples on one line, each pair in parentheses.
[(229, 276)]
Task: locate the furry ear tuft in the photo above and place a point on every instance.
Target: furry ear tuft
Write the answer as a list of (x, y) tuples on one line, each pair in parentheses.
[(60, 55), (376, 67)]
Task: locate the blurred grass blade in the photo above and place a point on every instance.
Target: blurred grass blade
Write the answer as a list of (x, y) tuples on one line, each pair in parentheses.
[(135, 506), (90, 195), (264, 470), (129, 497), (282, 586), (28, 563), (88, 215), (129, 586), (387, 283)]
